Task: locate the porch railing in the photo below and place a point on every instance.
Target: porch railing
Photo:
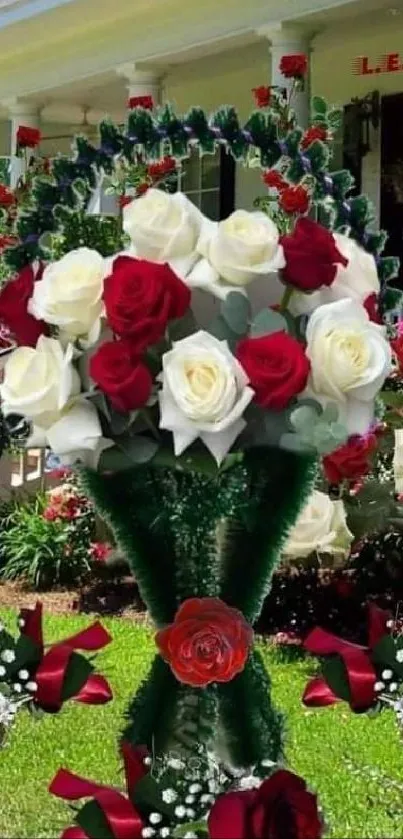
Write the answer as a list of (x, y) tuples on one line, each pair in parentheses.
[(23, 473)]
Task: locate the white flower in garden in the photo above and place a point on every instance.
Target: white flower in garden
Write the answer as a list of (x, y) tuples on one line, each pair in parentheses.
[(236, 251), (38, 383), (350, 360), (69, 295), (204, 394), (399, 656), (8, 656), (321, 527), (7, 710), (163, 228), (356, 281)]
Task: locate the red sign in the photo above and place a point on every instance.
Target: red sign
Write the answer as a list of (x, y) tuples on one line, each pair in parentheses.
[(391, 63)]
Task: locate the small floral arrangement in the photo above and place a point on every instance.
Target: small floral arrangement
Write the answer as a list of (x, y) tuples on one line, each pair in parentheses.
[(43, 678), (170, 797), (367, 677)]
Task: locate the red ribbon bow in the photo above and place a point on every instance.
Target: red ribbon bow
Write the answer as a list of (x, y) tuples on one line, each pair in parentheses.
[(121, 815), (360, 671), (51, 672)]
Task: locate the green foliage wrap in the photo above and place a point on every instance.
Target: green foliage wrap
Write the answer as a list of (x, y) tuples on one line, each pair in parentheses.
[(192, 534)]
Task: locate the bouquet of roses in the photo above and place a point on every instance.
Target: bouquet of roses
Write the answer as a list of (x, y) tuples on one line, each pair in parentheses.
[(114, 359)]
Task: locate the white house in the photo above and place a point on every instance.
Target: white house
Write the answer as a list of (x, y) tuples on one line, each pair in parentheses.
[(64, 64)]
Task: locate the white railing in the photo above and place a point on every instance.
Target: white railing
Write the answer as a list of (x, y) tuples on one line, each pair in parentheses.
[(23, 474)]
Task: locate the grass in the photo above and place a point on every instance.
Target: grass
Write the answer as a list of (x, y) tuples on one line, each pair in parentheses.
[(83, 739)]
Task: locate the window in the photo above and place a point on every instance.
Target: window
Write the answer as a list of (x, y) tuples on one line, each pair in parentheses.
[(209, 182)]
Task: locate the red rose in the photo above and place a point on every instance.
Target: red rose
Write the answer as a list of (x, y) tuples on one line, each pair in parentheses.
[(276, 366), (311, 256), (158, 170), (146, 102), (121, 375), (281, 808), (274, 179), (371, 304), (351, 461), (14, 297), (262, 95), (124, 200), (315, 132), (140, 298), (294, 199), (28, 138), (141, 189), (7, 197), (294, 66), (208, 642), (397, 347)]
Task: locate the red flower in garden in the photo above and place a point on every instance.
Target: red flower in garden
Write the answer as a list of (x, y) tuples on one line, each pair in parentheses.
[(351, 461), (14, 298), (100, 551), (121, 375), (159, 170), (281, 808), (397, 347), (274, 179), (262, 95), (371, 304), (146, 102), (207, 642), (7, 242), (294, 66), (276, 366), (315, 132), (140, 298), (28, 138), (311, 256), (294, 199), (7, 197)]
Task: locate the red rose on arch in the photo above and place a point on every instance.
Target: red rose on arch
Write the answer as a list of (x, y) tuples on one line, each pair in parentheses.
[(140, 299), (294, 66), (315, 132), (351, 461), (311, 256), (146, 102), (274, 179), (276, 366), (262, 95), (294, 199), (7, 197), (121, 375), (28, 138), (281, 808), (207, 642), (14, 298)]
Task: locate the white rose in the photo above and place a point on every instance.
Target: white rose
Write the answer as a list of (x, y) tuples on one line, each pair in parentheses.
[(38, 383), (321, 527), (163, 228), (236, 251), (398, 461), (350, 360), (75, 436), (204, 394), (356, 281), (69, 295)]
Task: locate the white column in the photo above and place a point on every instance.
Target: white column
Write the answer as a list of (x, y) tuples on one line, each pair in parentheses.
[(20, 113), (287, 40), (141, 82)]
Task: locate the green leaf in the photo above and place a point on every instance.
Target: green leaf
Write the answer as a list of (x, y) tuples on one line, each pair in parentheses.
[(147, 797), (235, 310), (304, 418), (93, 822), (330, 413), (118, 423), (392, 399), (319, 105), (182, 327), (384, 654), (77, 673), (220, 329), (99, 400), (335, 675), (198, 828), (294, 443), (335, 118), (138, 448), (267, 322)]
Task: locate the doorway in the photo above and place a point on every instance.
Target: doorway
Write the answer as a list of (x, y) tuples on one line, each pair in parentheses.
[(392, 177)]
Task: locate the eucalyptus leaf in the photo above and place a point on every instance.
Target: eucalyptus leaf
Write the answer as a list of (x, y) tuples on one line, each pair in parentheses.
[(220, 329), (99, 400), (294, 443), (235, 310), (304, 418), (330, 413), (182, 327), (266, 322), (138, 448), (118, 423)]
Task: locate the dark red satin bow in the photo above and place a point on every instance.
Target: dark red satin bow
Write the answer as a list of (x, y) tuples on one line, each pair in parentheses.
[(121, 815), (360, 671), (52, 669)]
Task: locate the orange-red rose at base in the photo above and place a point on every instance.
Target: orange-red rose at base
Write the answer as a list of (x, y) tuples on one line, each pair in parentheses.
[(207, 642)]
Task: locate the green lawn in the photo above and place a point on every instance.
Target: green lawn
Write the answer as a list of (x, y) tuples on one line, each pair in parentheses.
[(83, 739)]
